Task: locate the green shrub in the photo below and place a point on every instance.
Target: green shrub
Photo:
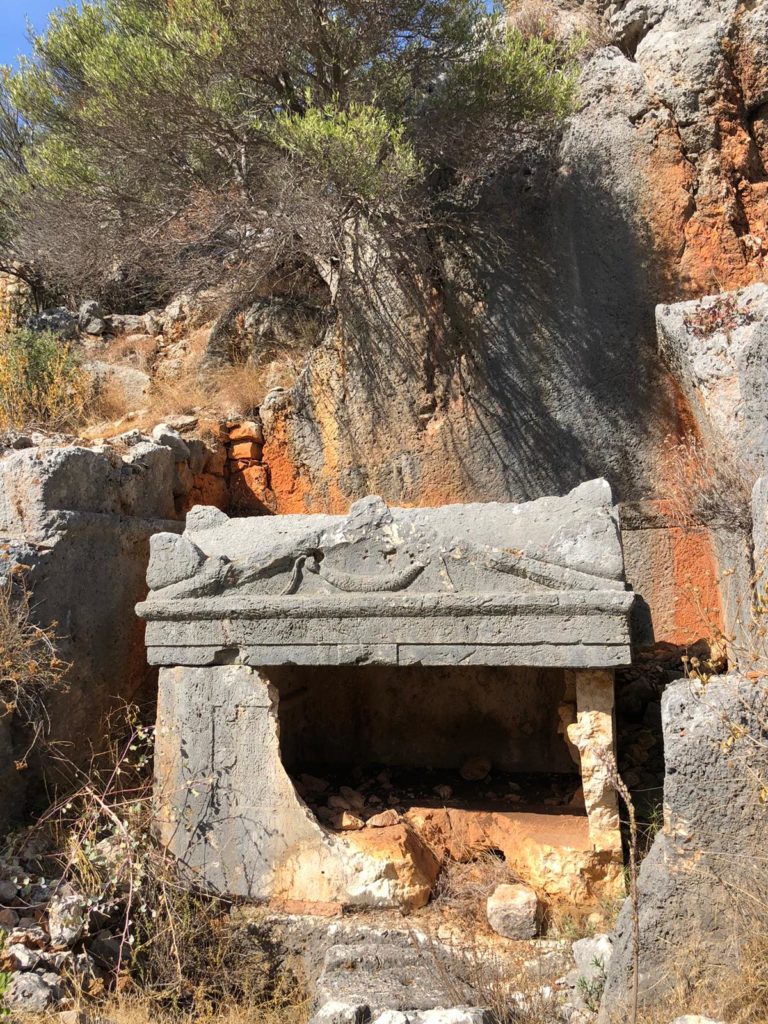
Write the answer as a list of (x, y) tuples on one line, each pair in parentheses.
[(360, 153), (42, 383), (241, 137)]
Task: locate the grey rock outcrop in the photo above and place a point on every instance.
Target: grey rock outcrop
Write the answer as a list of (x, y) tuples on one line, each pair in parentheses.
[(90, 318), (718, 347), (80, 519), (711, 847), (132, 383), (60, 321)]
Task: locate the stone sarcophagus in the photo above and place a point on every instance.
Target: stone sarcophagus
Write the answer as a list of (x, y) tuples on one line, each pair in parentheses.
[(296, 650)]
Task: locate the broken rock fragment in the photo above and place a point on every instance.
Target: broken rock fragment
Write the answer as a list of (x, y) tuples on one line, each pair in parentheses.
[(513, 911), (476, 769)]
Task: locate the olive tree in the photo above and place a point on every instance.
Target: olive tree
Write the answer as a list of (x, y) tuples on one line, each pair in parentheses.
[(165, 144)]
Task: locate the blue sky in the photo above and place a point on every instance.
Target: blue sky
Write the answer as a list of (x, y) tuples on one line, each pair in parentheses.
[(14, 15)]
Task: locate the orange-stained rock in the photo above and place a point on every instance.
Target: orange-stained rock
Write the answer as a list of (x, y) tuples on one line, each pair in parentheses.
[(247, 430), (248, 450), (548, 851), (208, 489), (409, 860), (250, 490)]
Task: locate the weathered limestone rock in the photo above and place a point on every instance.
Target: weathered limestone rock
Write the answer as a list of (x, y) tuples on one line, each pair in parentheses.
[(553, 854), (33, 993), (80, 519), (66, 920), (233, 818), (513, 911), (593, 734), (711, 848), (130, 382), (718, 348), (492, 585), (395, 972)]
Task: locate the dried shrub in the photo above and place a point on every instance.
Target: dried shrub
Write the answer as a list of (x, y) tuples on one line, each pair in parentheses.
[(42, 382), (29, 664), (718, 316), (464, 886), (708, 489), (179, 954)]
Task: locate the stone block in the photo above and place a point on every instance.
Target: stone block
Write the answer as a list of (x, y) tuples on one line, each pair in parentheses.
[(513, 911), (247, 430), (710, 850), (247, 450)]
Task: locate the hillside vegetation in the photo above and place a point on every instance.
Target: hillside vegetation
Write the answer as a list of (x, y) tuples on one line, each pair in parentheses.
[(147, 146)]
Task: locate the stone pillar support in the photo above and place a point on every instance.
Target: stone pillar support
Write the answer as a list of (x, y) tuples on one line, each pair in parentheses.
[(229, 813), (593, 733)]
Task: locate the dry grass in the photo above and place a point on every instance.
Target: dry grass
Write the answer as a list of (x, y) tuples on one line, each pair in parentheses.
[(229, 392), (139, 350), (738, 996), (29, 665), (464, 886), (706, 488), (181, 956), (540, 18), (288, 1004)]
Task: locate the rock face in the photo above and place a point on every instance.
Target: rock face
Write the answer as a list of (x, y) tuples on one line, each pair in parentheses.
[(708, 854), (549, 374), (718, 347), (80, 519)]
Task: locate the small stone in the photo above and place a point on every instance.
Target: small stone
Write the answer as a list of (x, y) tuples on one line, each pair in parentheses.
[(443, 791), (66, 920), (475, 769), (9, 919), (32, 993), (384, 819), (354, 798), (592, 956), (247, 450), (338, 803), (170, 438), (80, 1017), (105, 948), (184, 422), (345, 821), (8, 892), (454, 1015), (23, 958), (341, 1013), (247, 430), (312, 784), (28, 935), (513, 911)]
